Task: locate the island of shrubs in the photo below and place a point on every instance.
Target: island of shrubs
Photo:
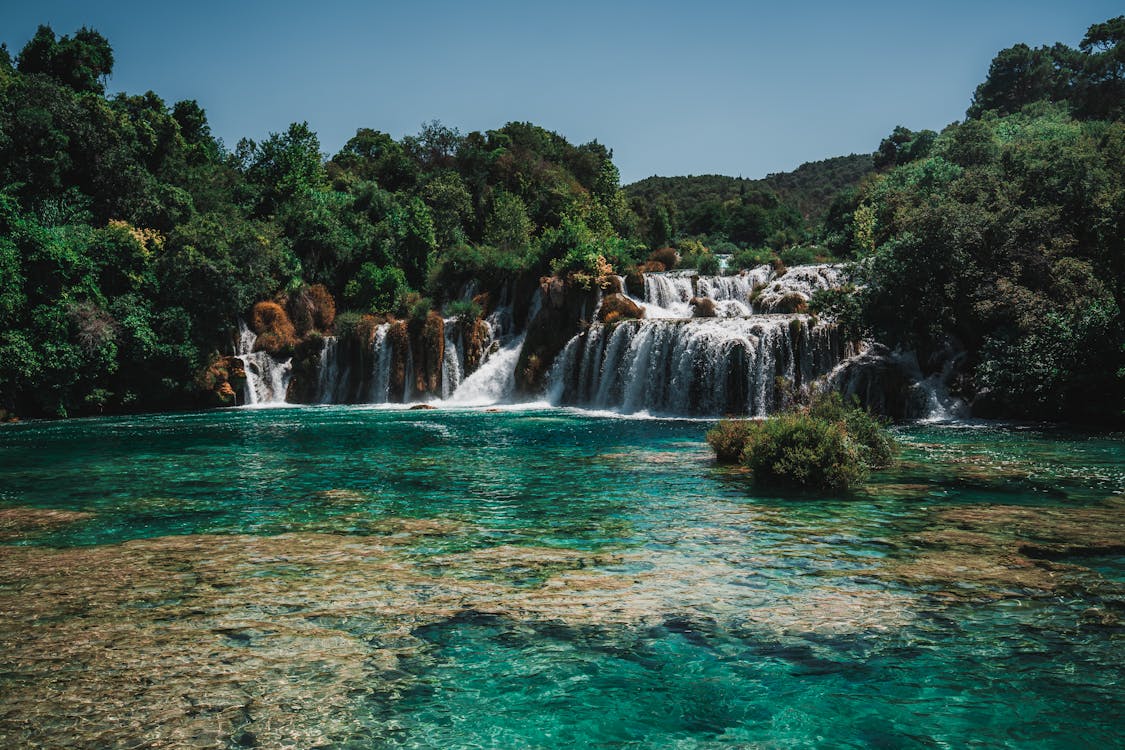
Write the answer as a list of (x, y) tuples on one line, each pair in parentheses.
[(821, 445)]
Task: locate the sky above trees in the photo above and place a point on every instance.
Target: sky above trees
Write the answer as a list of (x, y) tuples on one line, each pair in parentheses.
[(739, 88)]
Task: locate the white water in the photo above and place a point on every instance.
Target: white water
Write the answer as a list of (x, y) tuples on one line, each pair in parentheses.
[(667, 363), (494, 381), (451, 369), (703, 366), (803, 281), (669, 294), (267, 380)]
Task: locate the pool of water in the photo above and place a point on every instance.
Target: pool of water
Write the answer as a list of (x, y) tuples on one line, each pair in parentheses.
[(381, 578)]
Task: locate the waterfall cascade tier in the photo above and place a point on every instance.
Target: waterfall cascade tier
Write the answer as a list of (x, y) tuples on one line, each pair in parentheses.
[(694, 367), (759, 290), (675, 359), (267, 378)]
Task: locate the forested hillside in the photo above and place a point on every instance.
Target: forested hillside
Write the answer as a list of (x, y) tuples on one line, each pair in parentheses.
[(809, 189), (132, 240), (1003, 237)]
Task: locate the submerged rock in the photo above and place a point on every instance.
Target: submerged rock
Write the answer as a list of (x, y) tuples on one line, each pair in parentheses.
[(19, 522), (997, 551)]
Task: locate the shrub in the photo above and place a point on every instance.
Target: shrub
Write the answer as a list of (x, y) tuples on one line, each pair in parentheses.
[(698, 256), (276, 333), (708, 265), (347, 322), (798, 255), (749, 258), (864, 428), (728, 439), (419, 307), (667, 256), (486, 264), (582, 261), (825, 445), (375, 288), (796, 449), (464, 310)]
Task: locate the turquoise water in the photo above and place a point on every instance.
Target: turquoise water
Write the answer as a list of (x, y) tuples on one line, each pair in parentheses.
[(376, 578)]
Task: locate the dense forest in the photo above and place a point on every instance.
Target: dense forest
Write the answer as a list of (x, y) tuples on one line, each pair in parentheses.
[(1003, 236), (724, 208), (132, 240)]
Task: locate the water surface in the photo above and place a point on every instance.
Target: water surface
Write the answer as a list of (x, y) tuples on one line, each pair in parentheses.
[(382, 578)]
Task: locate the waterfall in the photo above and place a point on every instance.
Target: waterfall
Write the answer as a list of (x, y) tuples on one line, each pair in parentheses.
[(797, 286), (452, 368), (667, 362), (267, 380), (380, 392), (328, 376), (718, 288), (667, 295), (494, 381), (708, 366)]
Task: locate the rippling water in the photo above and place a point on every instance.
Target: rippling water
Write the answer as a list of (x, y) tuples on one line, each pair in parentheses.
[(378, 578)]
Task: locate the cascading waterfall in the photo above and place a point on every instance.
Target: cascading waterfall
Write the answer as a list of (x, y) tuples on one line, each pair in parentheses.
[(666, 363), (452, 371), (267, 380), (494, 381), (381, 366), (708, 366), (802, 281), (667, 295)]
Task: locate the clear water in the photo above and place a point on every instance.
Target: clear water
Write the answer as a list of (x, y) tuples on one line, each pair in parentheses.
[(376, 578)]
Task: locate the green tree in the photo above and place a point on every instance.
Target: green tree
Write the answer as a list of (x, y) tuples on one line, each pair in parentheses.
[(82, 62)]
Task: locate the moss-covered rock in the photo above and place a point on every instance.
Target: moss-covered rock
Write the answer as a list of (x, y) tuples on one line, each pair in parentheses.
[(221, 381), (400, 354), (427, 349), (635, 283), (616, 307), (276, 333), (474, 336), (566, 309), (702, 307), (665, 256)]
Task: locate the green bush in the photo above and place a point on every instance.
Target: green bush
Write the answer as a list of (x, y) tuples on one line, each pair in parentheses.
[(375, 288), (798, 450), (750, 258), (419, 308), (463, 309), (825, 445), (728, 439), (800, 255), (491, 266), (868, 431), (694, 254)]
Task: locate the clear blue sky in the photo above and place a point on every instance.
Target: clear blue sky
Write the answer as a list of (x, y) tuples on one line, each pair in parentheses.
[(740, 88)]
